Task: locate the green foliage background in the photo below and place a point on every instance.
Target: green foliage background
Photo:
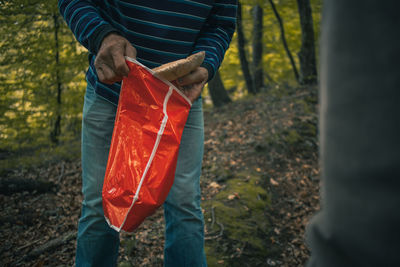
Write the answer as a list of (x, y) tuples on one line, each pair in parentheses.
[(28, 85), (28, 99)]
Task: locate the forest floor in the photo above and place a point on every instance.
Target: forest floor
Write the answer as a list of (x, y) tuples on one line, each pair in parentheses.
[(260, 187)]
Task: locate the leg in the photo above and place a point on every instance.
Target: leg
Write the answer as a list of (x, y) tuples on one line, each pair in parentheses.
[(184, 241), (97, 242)]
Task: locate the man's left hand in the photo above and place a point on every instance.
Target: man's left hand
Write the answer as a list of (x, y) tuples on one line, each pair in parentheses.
[(193, 83)]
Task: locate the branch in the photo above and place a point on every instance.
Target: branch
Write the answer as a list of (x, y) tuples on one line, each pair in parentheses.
[(221, 226), (52, 244)]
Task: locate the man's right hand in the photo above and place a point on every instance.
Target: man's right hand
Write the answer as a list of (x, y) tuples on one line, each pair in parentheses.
[(110, 60)]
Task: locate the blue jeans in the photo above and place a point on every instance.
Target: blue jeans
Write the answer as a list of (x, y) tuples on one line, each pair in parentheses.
[(97, 243)]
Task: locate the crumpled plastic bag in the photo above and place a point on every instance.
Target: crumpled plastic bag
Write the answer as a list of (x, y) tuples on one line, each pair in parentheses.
[(147, 131)]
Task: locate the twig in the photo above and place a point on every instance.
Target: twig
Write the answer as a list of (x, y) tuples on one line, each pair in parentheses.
[(28, 245), (212, 217), (222, 229), (299, 95), (61, 173), (221, 226), (52, 244), (216, 236)]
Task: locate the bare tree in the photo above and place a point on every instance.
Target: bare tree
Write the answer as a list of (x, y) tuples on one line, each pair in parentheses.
[(242, 52), (308, 69), (56, 131), (219, 95), (257, 48), (285, 45)]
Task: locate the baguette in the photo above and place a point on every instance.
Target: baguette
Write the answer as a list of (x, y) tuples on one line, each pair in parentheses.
[(179, 68)]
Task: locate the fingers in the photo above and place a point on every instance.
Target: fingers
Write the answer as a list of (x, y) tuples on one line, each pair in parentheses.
[(130, 51), (120, 68), (200, 75), (107, 75), (110, 61), (194, 92), (109, 68), (192, 84)]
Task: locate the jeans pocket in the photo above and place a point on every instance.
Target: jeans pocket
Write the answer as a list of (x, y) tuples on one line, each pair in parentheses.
[(97, 120)]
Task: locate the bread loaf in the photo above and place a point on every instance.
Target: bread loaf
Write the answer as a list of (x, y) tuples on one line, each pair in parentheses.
[(179, 68)]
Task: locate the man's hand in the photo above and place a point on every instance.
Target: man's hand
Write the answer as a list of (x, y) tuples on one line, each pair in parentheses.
[(110, 60), (193, 83)]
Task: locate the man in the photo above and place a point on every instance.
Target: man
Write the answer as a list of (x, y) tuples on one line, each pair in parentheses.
[(360, 130), (153, 32)]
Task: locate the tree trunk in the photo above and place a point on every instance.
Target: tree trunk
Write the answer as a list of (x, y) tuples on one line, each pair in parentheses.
[(257, 48), (308, 68), (218, 94), (242, 52), (289, 54), (56, 131)]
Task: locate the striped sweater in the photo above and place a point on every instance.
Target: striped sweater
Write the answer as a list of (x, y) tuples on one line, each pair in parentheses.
[(160, 30)]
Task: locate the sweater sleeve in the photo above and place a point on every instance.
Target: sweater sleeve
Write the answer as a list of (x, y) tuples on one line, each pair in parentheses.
[(216, 34), (83, 18)]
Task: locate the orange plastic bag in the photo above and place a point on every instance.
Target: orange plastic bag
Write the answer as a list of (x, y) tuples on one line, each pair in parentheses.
[(141, 164)]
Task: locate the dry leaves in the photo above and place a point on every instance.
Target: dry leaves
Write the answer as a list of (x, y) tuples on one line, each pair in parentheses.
[(271, 135)]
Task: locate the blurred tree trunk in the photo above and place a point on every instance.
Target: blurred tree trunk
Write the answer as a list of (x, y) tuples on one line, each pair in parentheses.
[(56, 131), (308, 69), (289, 54), (242, 52), (257, 47), (219, 95)]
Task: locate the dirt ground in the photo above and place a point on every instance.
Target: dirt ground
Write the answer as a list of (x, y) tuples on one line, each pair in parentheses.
[(272, 135)]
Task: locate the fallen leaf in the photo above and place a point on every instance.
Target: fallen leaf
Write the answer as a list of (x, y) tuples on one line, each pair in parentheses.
[(273, 182), (231, 197), (214, 185)]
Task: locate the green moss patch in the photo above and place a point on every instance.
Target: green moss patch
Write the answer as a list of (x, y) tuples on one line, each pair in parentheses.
[(236, 222)]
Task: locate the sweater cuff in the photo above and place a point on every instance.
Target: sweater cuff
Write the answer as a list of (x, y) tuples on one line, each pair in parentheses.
[(210, 70), (98, 36)]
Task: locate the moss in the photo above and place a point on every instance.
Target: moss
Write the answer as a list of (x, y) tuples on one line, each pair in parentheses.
[(129, 244), (307, 105), (125, 264), (221, 174), (239, 209), (214, 258), (293, 137), (40, 156)]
